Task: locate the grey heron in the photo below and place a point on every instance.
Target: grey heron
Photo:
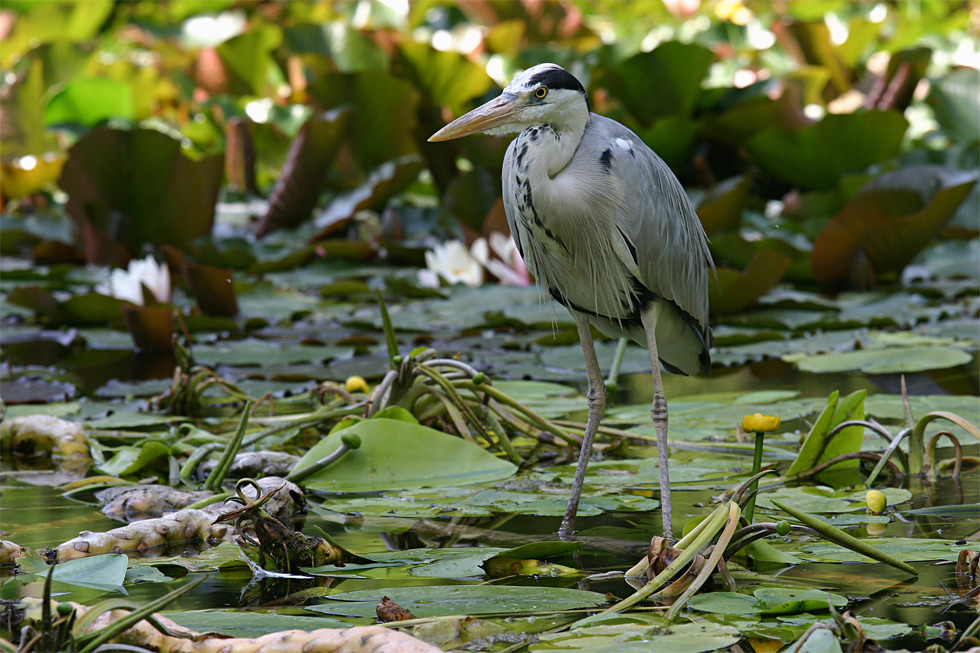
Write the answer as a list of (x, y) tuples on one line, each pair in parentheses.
[(606, 228)]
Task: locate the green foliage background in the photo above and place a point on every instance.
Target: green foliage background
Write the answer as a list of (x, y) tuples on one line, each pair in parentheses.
[(775, 115)]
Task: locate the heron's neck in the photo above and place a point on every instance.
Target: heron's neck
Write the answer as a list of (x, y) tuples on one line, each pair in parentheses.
[(554, 143)]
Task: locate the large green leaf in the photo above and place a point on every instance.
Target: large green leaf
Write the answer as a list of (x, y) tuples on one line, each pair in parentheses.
[(384, 113), (399, 455), (663, 82), (338, 43), (133, 187), (48, 22), (818, 155), (448, 78), (956, 100), (442, 600), (90, 100), (248, 59), (889, 221)]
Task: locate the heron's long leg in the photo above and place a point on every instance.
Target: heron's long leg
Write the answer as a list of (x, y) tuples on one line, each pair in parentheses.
[(659, 414), (597, 404)]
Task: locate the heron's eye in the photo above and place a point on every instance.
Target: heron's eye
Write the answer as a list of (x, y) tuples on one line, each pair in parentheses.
[(540, 92)]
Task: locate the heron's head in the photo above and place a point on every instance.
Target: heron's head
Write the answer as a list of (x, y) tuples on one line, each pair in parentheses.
[(546, 93)]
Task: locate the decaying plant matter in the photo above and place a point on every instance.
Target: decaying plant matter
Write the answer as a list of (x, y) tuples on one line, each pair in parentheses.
[(131, 503), (147, 537), (275, 546), (157, 633)]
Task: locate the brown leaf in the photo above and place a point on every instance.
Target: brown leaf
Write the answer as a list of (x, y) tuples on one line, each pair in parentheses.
[(889, 221), (389, 611), (305, 174)]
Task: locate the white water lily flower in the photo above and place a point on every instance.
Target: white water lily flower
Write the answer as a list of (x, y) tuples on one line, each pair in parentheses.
[(454, 263), (128, 284)]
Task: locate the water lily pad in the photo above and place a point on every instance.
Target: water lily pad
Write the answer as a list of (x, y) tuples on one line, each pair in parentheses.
[(821, 499), (396, 455), (642, 638), (906, 549), (889, 360), (264, 353), (104, 572), (234, 623), (442, 600)]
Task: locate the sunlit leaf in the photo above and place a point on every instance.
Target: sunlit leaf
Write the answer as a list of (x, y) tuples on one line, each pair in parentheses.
[(90, 100), (129, 459), (248, 58), (46, 22), (338, 43), (448, 78)]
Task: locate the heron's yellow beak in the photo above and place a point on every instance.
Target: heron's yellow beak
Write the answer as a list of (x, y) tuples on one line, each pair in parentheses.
[(498, 111)]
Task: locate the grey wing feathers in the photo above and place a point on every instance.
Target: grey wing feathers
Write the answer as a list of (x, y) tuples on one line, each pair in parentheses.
[(671, 248), (507, 194)]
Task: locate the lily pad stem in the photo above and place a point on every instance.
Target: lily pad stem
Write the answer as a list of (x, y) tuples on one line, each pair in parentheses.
[(217, 475), (847, 541), (347, 443), (760, 437)]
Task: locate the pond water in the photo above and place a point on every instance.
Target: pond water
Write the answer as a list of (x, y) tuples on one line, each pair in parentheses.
[(93, 375)]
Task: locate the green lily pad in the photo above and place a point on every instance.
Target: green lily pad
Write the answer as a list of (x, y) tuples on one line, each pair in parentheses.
[(890, 360), (443, 600), (234, 623), (104, 572), (821, 499), (906, 549), (397, 455), (642, 638)]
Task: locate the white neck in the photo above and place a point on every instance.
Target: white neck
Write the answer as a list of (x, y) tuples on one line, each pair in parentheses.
[(563, 137)]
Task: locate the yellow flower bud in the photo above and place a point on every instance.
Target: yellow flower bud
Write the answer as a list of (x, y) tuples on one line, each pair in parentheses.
[(876, 502), (356, 384), (759, 423)]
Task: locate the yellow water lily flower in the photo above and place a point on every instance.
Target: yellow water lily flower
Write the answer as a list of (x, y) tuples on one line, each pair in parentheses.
[(876, 502), (759, 423), (356, 384)]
